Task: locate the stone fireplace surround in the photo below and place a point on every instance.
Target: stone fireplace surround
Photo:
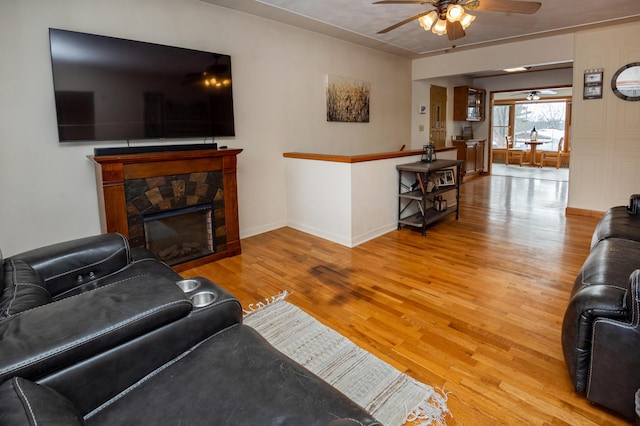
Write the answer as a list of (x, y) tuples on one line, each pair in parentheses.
[(162, 193), (130, 185)]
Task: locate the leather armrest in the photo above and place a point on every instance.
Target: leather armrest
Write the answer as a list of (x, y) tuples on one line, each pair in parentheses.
[(588, 305), (45, 339), (615, 359), (66, 265), (24, 403)]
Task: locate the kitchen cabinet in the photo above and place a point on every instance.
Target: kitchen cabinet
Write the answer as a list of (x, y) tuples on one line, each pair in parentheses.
[(471, 152), (468, 103)]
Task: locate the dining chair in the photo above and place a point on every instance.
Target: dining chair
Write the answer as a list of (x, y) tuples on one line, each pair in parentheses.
[(511, 152), (555, 155)]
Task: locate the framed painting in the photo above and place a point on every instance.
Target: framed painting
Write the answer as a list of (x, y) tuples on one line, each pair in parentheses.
[(347, 100)]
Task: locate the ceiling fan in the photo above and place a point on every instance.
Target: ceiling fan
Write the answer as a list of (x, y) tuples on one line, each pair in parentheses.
[(531, 95), (450, 16)]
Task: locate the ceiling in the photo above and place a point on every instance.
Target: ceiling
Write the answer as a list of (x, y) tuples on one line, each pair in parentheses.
[(547, 94), (359, 21)]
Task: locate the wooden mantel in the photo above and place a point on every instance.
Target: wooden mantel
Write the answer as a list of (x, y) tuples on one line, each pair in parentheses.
[(113, 170)]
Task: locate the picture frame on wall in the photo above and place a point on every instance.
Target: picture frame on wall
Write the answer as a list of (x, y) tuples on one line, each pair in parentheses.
[(593, 77), (347, 99), (592, 92)]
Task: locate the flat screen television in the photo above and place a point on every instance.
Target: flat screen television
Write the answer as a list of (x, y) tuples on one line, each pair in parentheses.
[(109, 89)]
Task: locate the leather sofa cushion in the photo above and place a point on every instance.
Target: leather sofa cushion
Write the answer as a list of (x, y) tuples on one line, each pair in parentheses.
[(23, 290), (134, 359), (24, 403), (44, 339), (234, 377), (617, 223), (610, 262)]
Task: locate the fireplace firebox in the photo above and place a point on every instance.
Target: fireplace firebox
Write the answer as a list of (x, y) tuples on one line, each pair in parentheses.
[(180, 235)]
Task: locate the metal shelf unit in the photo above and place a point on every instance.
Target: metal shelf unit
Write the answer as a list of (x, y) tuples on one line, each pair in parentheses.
[(416, 196)]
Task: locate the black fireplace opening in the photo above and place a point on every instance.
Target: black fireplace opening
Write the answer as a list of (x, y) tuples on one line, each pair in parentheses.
[(180, 235)]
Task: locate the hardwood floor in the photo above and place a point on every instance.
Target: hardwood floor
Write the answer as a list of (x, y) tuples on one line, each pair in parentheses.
[(475, 307)]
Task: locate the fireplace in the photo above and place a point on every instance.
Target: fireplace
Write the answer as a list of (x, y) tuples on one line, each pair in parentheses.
[(182, 205), (197, 196), (180, 235)]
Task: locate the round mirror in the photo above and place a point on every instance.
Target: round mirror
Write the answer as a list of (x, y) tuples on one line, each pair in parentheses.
[(626, 82)]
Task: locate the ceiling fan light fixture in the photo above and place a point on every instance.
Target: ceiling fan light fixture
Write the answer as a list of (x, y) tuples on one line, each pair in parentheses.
[(466, 20), (427, 20), (440, 28), (533, 96), (516, 69), (455, 12)]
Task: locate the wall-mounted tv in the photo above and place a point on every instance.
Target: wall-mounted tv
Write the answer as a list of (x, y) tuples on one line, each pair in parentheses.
[(110, 89)]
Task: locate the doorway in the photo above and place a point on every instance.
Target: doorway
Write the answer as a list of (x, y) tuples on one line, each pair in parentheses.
[(515, 114), (438, 116)]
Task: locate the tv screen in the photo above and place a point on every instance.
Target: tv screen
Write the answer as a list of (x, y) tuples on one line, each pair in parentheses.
[(114, 89)]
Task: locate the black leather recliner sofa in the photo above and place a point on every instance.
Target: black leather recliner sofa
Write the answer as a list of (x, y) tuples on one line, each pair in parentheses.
[(94, 332), (601, 327)]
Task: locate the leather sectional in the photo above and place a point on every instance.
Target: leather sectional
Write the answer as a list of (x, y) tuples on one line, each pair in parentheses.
[(600, 331), (95, 332)]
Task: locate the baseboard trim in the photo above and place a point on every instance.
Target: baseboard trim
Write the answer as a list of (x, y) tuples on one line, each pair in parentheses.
[(583, 212)]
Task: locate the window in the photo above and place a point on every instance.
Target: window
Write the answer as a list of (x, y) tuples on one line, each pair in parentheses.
[(500, 124), (547, 117), (519, 118)]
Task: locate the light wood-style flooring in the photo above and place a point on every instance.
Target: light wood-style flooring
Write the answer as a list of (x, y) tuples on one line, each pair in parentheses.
[(475, 307)]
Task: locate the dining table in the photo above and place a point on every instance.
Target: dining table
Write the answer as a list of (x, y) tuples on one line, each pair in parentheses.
[(534, 148)]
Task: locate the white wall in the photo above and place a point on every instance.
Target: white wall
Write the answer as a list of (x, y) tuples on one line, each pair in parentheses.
[(319, 198), (546, 50), (347, 203), (279, 71), (605, 148)]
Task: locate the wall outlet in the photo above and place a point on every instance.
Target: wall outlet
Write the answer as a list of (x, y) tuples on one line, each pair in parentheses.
[(421, 128)]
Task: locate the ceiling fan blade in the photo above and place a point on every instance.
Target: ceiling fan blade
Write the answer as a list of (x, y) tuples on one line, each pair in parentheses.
[(455, 30), (405, 2), (507, 6), (401, 23)]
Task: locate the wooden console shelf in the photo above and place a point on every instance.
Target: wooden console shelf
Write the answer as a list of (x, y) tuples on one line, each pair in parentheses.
[(112, 171)]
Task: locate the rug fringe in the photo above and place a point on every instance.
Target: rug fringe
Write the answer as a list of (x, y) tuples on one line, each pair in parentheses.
[(253, 307), (432, 409)]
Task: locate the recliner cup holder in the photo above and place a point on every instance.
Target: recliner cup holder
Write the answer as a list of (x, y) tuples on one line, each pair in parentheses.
[(200, 291), (188, 285), (203, 298)]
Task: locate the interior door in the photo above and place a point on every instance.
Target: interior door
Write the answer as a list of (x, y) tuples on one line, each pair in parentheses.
[(438, 117)]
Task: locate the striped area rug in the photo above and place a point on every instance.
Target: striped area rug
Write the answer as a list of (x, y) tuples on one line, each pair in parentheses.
[(389, 395)]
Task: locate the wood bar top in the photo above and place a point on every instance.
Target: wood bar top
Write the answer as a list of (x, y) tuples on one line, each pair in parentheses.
[(358, 158)]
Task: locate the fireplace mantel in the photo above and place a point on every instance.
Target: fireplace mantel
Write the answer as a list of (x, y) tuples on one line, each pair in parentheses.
[(113, 171)]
